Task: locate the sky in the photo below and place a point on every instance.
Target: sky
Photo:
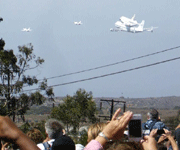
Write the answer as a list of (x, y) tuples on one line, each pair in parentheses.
[(68, 48)]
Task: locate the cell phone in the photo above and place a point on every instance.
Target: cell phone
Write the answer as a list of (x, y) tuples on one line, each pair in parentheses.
[(135, 128)]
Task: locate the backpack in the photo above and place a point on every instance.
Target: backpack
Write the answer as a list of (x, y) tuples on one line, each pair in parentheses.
[(47, 146)]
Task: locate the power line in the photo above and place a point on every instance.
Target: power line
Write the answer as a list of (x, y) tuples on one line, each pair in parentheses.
[(95, 68), (105, 75), (135, 58)]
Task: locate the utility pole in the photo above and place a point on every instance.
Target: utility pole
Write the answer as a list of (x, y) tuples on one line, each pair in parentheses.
[(112, 106)]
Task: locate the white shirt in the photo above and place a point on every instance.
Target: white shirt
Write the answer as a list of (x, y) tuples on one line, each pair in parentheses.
[(41, 146), (79, 147)]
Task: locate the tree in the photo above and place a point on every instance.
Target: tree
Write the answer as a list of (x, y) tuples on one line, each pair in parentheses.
[(76, 109), (14, 77)]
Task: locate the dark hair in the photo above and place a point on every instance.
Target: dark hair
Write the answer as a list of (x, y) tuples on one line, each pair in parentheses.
[(154, 113)]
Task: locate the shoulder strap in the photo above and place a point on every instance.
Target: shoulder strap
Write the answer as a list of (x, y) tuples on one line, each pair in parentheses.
[(46, 145)]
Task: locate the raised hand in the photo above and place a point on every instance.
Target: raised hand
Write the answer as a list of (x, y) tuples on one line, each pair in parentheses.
[(149, 143), (115, 128)]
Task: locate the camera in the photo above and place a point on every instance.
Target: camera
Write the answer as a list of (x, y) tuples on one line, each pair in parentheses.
[(161, 131), (135, 128)]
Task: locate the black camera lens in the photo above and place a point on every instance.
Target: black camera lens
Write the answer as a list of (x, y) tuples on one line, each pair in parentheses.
[(160, 132)]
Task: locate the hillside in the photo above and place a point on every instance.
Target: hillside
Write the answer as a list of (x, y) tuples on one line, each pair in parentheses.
[(151, 102), (167, 106), (156, 102)]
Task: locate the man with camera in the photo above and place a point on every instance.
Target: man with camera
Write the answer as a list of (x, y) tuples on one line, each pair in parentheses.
[(153, 122)]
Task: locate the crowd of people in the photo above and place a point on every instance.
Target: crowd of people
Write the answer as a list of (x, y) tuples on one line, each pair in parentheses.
[(101, 136)]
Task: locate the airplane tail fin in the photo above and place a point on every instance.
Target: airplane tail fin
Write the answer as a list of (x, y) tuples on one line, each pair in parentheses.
[(142, 23), (133, 17), (141, 26)]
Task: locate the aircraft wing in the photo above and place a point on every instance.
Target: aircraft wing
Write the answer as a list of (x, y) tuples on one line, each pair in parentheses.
[(150, 29)]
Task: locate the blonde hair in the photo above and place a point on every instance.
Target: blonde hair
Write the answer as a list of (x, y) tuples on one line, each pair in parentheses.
[(94, 130)]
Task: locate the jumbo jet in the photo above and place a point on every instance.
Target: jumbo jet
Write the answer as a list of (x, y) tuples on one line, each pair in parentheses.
[(129, 22), (134, 29), (78, 23), (26, 29)]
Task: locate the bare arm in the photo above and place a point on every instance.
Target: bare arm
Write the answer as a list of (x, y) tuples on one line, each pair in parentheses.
[(9, 132), (171, 139), (25, 143)]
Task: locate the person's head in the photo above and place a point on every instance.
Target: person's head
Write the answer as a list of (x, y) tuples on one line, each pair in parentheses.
[(94, 130), (35, 135), (63, 142), (53, 128), (153, 114), (125, 146)]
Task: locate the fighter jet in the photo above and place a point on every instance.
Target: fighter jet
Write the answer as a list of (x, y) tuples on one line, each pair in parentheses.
[(26, 29), (128, 22), (78, 23)]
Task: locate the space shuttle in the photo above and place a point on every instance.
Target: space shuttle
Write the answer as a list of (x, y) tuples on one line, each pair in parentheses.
[(129, 21)]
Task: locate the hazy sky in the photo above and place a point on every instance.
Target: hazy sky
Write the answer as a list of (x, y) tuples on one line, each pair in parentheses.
[(68, 48)]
